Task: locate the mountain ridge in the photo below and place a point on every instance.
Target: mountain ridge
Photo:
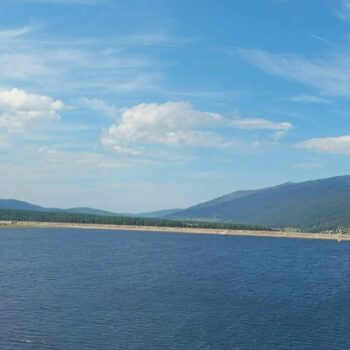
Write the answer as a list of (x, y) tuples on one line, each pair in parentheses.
[(310, 205), (322, 203), (23, 205)]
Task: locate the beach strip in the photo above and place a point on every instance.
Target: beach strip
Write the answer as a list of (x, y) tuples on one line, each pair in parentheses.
[(183, 230)]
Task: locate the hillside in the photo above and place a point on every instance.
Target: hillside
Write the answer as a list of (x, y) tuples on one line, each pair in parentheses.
[(22, 205), (159, 213), (15, 204), (92, 211), (19, 205), (313, 205)]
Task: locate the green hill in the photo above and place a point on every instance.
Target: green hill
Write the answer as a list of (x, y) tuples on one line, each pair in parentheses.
[(312, 205)]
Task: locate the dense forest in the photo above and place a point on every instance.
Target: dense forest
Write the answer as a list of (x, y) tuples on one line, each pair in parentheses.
[(27, 215)]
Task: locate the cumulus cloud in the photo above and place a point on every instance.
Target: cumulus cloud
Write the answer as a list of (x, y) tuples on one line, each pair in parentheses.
[(19, 109), (171, 123), (176, 124), (334, 145)]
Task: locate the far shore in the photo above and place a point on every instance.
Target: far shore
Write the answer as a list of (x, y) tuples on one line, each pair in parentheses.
[(189, 230)]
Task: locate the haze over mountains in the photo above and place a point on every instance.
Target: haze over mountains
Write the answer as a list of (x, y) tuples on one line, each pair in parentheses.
[(317, 205)]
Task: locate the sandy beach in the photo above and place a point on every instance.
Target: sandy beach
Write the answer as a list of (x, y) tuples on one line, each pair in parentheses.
[(179, 230)]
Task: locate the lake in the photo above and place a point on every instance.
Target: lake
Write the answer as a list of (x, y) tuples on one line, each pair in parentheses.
[(77, 289)]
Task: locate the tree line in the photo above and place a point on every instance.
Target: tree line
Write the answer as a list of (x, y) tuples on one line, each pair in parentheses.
[(64, 217)]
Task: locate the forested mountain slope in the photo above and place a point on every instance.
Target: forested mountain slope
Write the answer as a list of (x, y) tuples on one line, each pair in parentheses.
[(320, 204)]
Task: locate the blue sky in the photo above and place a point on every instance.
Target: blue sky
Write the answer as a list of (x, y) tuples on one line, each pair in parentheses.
[(140, 105)]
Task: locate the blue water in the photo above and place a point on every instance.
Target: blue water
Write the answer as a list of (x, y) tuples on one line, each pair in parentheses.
[(85, 289)]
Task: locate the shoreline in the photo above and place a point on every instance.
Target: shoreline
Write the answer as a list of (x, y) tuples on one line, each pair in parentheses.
[(179, 230)]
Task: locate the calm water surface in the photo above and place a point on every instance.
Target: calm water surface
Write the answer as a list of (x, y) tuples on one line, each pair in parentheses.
[(86, 289)]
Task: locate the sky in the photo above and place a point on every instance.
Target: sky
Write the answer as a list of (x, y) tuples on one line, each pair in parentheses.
[(139, 105)]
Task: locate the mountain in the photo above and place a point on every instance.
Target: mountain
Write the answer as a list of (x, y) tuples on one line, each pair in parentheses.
[(22, 205), (159, 213), (19, 205), (313, 205)]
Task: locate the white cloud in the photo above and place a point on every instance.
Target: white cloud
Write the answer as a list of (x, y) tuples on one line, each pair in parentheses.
[(310, 99), (19, 109), (98, 105), (13, 33), (344, 10), (78, 65), (171, 123), (260, 123), (176, 124), (334, 145), (144, 81), (330, 74), (320, 39)]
